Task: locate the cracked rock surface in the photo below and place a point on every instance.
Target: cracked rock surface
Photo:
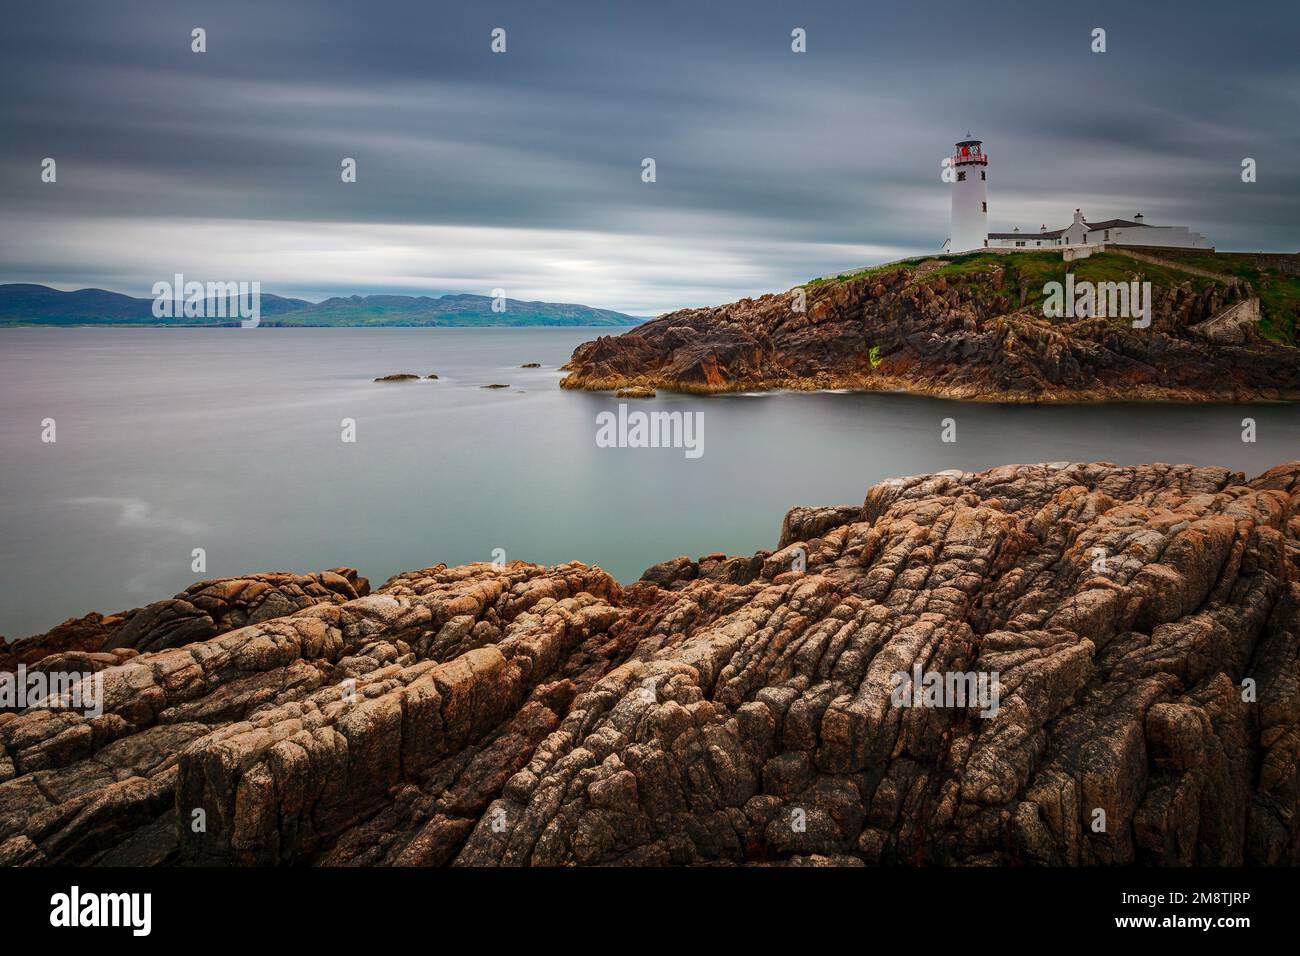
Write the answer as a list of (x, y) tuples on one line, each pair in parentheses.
[(1140, 627), (980, 334)]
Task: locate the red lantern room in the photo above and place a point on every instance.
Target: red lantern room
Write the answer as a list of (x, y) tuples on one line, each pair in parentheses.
[(970, 153)]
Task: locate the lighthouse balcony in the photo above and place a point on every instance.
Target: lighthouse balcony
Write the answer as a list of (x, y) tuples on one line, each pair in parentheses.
[(971, 159)]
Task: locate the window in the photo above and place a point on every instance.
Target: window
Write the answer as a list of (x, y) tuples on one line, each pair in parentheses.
[(984, 207), (981, 174), (1019, 243), (986, 242), (961, 176), (1107, 233)]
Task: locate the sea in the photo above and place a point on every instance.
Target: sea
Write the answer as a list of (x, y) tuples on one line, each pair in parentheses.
[(230, 445)]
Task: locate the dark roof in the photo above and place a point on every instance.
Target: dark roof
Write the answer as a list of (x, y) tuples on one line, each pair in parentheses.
[(1057, 233), (1050, 234), (1112, 224)]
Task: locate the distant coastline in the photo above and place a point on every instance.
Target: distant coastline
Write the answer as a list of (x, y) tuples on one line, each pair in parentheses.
[(31, 305)]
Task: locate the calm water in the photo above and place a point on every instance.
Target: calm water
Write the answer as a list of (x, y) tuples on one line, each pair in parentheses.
[(229, 440)]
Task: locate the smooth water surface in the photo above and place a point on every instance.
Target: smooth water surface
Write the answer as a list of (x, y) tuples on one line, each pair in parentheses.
[(229, 440)]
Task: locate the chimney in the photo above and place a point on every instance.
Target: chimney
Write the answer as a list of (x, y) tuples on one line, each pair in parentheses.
[(1043, 228), (1138, 218), (1017, 229)]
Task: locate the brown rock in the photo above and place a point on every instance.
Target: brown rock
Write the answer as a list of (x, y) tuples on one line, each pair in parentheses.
[(966, 335), (727, 709)]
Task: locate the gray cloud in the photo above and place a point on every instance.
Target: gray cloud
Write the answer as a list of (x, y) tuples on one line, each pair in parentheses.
[(772, 167)]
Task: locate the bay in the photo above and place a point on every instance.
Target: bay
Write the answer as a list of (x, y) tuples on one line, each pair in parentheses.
[(229, 440)]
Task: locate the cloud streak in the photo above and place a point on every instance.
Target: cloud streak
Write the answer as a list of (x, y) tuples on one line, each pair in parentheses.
[(629, 272), (773, 167)]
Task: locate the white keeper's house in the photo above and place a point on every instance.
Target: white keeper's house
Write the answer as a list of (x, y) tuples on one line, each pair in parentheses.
[(1125, 232), (968, 173)]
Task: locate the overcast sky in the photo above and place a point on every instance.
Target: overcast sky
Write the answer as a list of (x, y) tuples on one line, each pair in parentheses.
[(522, 170)]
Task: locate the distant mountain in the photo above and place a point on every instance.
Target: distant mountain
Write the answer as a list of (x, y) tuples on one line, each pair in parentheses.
[(459, 310), (28, 304)]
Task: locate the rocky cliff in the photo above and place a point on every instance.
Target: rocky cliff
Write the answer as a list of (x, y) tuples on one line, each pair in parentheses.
[(974, 328), (1139, 626)]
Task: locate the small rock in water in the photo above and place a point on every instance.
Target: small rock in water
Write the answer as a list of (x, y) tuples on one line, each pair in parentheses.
[(531, 365), (494, 385), (636, 391), (399, 377), (431, 376)]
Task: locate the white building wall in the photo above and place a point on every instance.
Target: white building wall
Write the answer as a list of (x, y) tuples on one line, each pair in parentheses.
[(1027, 240), (970, 218), (1077, 234), (1174, 236)]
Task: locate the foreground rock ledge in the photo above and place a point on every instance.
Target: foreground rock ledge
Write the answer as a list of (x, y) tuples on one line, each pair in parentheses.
[(725, 709)]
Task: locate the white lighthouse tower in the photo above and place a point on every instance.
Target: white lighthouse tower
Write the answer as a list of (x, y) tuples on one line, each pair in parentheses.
[(970, 208)]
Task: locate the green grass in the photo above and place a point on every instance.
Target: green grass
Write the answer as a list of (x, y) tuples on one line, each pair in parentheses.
[(1279, 306), (1279, 294), (864, 273), (1224, 265)]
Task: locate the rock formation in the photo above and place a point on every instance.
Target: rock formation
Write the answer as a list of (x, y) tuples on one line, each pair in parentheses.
[(1141, 626), (202, 610), (969, 330), (636, 391)]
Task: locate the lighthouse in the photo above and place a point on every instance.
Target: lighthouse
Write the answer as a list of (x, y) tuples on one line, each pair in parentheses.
[(970, 208)]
